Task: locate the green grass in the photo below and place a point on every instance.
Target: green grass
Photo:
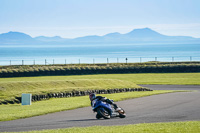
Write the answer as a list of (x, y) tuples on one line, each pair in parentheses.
[(11, 87), (16, 111), (148, 78), (170, 127)]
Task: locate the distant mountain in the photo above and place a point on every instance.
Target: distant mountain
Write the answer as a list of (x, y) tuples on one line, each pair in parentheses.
[(113, 35), (50, 39), (15, 38), (145, 35), (87, 39)]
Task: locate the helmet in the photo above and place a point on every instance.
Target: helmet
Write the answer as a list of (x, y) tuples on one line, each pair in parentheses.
[(92, 96)]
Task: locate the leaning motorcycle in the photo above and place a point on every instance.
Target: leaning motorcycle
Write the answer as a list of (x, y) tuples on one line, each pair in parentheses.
[(106, 111)]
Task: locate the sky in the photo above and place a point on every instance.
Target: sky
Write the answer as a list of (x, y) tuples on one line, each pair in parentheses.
[(76, 18)]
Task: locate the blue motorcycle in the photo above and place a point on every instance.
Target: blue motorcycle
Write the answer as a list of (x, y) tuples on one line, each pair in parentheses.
[(106, 111)]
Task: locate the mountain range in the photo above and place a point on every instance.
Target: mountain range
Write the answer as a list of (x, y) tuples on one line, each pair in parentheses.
[(145, 35)]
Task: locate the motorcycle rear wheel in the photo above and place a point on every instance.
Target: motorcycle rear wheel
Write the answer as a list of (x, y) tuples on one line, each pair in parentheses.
[(98, 116), (105, 113)]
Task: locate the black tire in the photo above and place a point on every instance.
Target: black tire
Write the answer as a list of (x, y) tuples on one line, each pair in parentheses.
[(122, 113), (105, 114), (98, 116)]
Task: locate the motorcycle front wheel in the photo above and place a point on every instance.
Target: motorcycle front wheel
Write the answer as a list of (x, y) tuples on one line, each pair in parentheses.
[(103, 112), (122, 113)]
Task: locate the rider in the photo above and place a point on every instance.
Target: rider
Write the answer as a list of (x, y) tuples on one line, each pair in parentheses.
[(93, 96)]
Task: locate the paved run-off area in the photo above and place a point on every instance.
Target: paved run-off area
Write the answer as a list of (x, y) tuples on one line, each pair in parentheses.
[(180, 106)]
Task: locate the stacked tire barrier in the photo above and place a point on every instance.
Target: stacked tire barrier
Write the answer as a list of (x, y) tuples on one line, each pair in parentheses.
[(39, 97), (80, 70)]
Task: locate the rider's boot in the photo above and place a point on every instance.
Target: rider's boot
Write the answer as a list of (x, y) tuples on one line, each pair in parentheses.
[(116, 107)]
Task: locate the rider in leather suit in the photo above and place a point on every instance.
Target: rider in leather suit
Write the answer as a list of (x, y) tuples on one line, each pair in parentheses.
[(92, 97)]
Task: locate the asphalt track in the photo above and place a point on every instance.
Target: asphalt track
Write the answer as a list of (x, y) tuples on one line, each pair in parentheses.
[(180, 106)]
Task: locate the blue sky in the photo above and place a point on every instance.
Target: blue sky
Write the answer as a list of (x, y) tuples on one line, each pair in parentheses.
[(74, 18)]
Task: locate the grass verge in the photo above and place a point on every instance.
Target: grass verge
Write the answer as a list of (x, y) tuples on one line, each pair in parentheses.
[(169, 127), (16, 111), (11, 87), (145, 78)]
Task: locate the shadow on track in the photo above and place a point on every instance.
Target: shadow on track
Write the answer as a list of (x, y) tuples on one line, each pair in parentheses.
[(84, 120)]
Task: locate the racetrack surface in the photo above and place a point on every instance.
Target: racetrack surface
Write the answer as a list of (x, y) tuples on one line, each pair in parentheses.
[(179, 106)]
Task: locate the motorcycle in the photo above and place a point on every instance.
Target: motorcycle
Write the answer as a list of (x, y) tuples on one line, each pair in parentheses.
[(106, 111)]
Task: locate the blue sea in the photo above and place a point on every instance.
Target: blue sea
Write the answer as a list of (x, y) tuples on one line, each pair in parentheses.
[(97, 53)]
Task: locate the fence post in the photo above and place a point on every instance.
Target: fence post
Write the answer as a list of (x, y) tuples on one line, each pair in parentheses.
[(93, 61), (126, 60), (189, 58)]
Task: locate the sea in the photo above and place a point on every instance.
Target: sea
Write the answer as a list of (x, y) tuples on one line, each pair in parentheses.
[(97, 53)]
